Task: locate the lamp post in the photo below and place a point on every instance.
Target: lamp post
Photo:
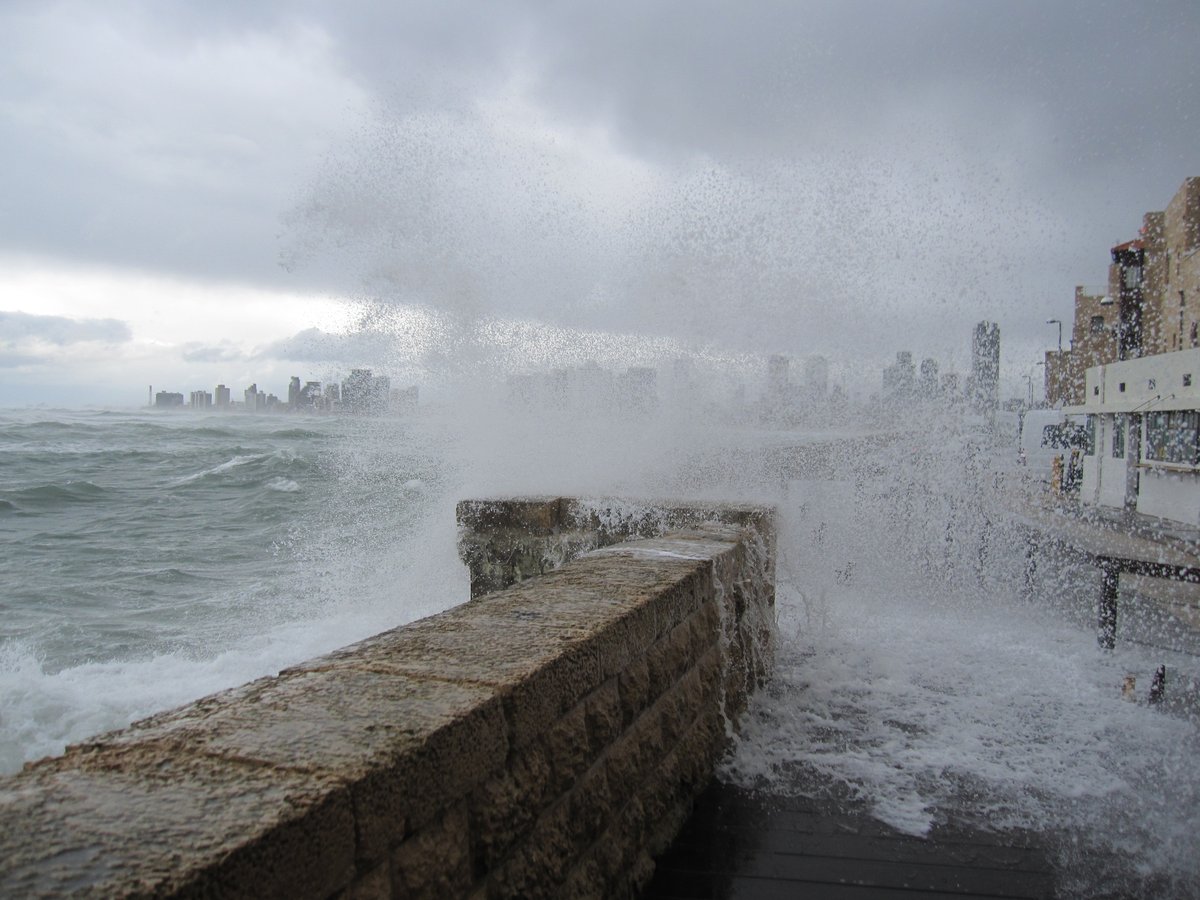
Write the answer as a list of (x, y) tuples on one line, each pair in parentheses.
[(1057, 322)]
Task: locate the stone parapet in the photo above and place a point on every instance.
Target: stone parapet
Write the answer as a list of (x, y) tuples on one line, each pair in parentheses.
[(541, 741), (506, 540)]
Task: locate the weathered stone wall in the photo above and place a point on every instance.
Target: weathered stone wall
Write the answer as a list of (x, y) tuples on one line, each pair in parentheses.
[(545, 740), (504, 541)]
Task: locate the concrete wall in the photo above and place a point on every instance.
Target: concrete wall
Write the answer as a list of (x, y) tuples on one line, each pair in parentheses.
[(546, 740), (1169, 494)]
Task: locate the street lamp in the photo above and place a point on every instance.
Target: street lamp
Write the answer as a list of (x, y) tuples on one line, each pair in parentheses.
[(1059, 323)]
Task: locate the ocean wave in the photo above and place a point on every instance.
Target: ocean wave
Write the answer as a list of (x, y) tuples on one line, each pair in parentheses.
[(46, 496), (209, 431), (219, 469), (283, 485), (169, 576)]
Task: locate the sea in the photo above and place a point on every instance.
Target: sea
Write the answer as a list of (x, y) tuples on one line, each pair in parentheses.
[(150, 558)]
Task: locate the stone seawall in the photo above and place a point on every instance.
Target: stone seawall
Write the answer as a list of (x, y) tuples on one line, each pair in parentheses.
[(544, 740)]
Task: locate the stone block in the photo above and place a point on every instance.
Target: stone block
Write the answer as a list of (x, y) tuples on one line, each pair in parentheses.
[(142, 821), (435, 862), (633, 688), (538, 866), (602, 710), (591, 807), (671, 656), (624, 775), (504, 808), (568, 749), (679, 707), (586, 881), (534, 515), (541, 668), (405, 747), (631, 821), (375, 884)]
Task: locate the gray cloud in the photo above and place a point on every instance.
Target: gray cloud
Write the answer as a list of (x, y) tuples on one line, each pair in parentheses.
[(201, 353), (820, 175), (18, 328), (360, 348)]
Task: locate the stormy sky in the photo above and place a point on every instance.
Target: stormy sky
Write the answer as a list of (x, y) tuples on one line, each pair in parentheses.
[(239, 191)]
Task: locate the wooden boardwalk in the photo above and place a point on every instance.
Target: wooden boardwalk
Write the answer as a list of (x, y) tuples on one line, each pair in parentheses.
[(743, 845)]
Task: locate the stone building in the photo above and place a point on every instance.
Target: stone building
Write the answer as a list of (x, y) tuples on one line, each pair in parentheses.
[(1150, 305), (1171, 239)]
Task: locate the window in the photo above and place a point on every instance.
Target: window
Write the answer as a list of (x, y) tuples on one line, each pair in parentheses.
[(1194, 337), (1121, 387), (1065, 436), (1118, 447), (1133, 276), (1097, 325), (1174, 437), (1089, 430)]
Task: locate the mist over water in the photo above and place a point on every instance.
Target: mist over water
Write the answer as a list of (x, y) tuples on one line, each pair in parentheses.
[(917, 670)]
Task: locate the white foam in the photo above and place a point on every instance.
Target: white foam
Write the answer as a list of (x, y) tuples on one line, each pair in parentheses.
[(217, 470), (930, 688)]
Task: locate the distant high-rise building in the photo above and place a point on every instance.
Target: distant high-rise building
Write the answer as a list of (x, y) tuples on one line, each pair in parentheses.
[(777, 376), (250, 395), (899, 379), (816, 376), (366, 393), (637, 389), (927, 386), (294, 392), (222, 399), (167, 400), (201, 400), (985, 367), (310, 396)]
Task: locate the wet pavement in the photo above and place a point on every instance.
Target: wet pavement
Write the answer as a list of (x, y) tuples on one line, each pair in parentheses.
[(740, 844)]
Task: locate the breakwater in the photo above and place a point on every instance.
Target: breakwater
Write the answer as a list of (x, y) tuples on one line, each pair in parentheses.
[(543, 740)]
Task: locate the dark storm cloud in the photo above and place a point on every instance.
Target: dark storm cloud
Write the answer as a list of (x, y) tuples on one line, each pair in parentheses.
[(857, 161), (316, 346)]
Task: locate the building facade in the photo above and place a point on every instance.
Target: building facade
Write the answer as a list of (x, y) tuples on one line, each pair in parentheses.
[(1150, 305), (1143, 416)]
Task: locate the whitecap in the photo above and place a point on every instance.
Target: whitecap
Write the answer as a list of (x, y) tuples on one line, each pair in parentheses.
[(216, 470)]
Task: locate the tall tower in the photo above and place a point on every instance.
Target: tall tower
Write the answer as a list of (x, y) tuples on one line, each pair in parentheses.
[(985, 367)]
